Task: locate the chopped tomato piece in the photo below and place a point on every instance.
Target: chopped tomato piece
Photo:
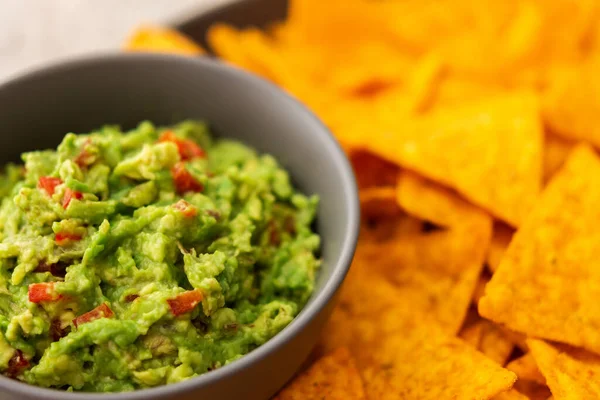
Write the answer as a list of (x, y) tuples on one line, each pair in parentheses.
[(49, 184), (102, 311), (85, 158), (40, 292), (188, 149), (184, 181), (16, 364), (185, 302), (70, 195), (185, 208), (64, 238)]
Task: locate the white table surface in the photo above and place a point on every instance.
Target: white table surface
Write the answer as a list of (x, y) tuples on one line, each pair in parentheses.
[(35, 32)]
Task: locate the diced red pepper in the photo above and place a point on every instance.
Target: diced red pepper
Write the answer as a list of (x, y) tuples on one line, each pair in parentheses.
[(188, 149), (42, 292), (49, 184), (85, 158), (16, 365), (102, 311), (185, 208), (184, 181), (185, 302), (70, 195), (64, 238)]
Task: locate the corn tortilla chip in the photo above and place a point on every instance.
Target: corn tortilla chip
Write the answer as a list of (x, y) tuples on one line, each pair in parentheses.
[(372, 171), (533, 390), (334, 377), (480, 288), (489, 339), (500, 240), (546, 283), (162, 40), (526, 369), (571, 373), (378, 203), (403, 355), (429, 201), (500, 138)]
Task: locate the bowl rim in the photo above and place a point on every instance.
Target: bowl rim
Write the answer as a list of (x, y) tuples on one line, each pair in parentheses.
[(319, 300)]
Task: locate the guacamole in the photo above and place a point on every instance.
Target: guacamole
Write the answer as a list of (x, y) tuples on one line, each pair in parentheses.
[(142, 258)]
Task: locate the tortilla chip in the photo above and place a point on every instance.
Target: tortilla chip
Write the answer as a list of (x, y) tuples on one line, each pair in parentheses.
[(429, 201), (526, 369), (545, 285), (571, 373), (424, 82), (510, 395), (556, 151), (402, 353), (488, 339), (334, 377), (162, 40), (500, 138), (500, 240), (571, 107)]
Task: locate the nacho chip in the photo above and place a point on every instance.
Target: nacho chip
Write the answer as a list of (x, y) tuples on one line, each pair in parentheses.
[(429, 201), (556, 151), (480, 288), (158, 39), (488, 339), (464, 146), (571, 373), (546, 283), (510, 395), (334, 377), (526, 369), (500, 240)]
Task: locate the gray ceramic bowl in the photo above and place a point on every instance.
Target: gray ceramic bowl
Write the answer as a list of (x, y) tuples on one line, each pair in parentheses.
[(37, 109)]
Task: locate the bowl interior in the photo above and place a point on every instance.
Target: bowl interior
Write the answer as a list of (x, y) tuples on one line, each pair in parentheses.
[(38, 109)]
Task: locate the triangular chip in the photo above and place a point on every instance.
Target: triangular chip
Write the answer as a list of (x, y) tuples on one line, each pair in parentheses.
[(431, 202), (571, 373), (333, 377), (556, 151), (402, 354), (464, 147), (547, 283)]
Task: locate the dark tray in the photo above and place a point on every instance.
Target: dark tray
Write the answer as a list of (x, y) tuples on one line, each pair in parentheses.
[(241, 13)]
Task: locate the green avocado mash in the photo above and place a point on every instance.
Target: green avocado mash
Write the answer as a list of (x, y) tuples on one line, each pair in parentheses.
[(142, 258)]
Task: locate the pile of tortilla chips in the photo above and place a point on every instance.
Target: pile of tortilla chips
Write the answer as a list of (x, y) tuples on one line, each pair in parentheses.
[(471, 126)]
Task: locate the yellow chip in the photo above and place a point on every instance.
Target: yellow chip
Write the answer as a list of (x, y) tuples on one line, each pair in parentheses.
[(465, 146), (489, 339), (429, 201), (480, 288), (547, 283), (500, 240), (378, 203), (571, 373), (526, 369), (162, 40), (533, 390), (333, 377)]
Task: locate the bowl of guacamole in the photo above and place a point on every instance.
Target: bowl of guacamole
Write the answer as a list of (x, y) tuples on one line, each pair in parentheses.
[(163, 235)]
